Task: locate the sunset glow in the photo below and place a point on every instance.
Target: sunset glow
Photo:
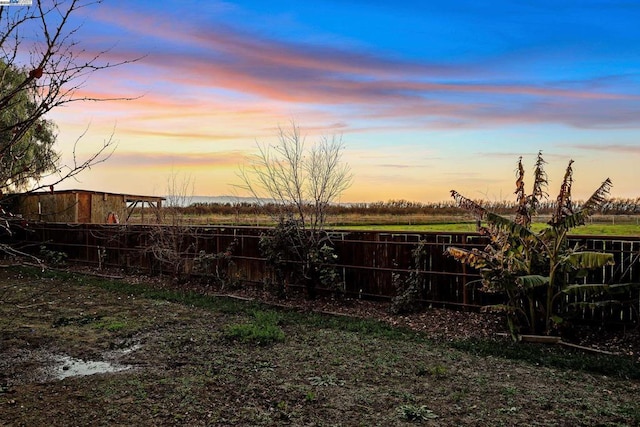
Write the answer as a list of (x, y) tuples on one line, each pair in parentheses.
[(428, 96)]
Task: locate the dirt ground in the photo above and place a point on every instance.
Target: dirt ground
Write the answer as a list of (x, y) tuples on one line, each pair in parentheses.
[(154, 362)]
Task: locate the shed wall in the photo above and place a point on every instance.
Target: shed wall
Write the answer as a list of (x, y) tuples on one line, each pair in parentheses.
[(76, 207), (53, 207), (102, 204)]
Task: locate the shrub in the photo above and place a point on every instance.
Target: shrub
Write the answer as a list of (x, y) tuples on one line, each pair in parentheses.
[(409, 290), (52, 257), (218, 266), (298, 258)]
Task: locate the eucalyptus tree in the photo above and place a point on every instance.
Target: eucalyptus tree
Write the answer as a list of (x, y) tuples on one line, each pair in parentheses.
[(30, 155)]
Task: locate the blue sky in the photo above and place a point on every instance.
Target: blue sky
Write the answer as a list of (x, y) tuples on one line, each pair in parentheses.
[(428, 96)]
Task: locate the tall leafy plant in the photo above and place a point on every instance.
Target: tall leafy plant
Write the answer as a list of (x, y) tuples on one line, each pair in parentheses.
[(532, 269)]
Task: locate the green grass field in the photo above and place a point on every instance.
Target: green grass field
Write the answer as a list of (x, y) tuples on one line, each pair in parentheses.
[(601, 225), (589, 229)]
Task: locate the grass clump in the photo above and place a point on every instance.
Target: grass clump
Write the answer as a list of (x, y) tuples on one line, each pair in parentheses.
[(439, 371), (415, 413), (263, 330), (326, 380)]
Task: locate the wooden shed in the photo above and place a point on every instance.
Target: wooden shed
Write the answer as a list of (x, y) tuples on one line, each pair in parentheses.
[(81, 206)]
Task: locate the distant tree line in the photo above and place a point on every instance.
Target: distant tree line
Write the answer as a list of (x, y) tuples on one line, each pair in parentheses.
[(616, 206)]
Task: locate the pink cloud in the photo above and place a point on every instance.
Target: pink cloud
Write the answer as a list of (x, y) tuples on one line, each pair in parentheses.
[(155, 160), (416, 94)]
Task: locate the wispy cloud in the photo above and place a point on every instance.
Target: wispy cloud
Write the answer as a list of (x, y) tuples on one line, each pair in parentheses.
[(394, 166), (608, 148), (430, 95), (155, 160)]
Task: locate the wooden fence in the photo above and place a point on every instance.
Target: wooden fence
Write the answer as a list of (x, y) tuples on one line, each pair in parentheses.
[(367, 260)]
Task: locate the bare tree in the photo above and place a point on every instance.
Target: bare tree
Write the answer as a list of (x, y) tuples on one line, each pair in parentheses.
[(43, 66), (303, 182), (39, 42)]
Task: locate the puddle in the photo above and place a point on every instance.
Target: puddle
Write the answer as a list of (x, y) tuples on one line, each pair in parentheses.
[(26, 366), (65, 366)]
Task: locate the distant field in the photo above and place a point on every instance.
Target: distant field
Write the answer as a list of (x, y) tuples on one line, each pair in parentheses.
[(607, 225), (590, 229)]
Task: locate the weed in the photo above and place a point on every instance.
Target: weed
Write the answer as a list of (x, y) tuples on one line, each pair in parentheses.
[(264, 366), (326, 380), (411, 412), (77, 321), (52, 257), (282, 410), (509, 410), (404, 395), (433, 371), (482, 381), (509, 393), (632, 411), (458, 396)]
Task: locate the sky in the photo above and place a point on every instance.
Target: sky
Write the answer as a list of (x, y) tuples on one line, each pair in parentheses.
[(428, 96)]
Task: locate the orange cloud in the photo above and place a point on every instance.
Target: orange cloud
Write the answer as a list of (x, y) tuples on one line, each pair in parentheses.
[(177, 160)]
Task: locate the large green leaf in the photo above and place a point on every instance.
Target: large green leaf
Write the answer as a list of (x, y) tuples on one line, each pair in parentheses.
[(589, 288), (573, 220), (590, 260), (595, 304), (532, 281), (601, 288), (508, 226)]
